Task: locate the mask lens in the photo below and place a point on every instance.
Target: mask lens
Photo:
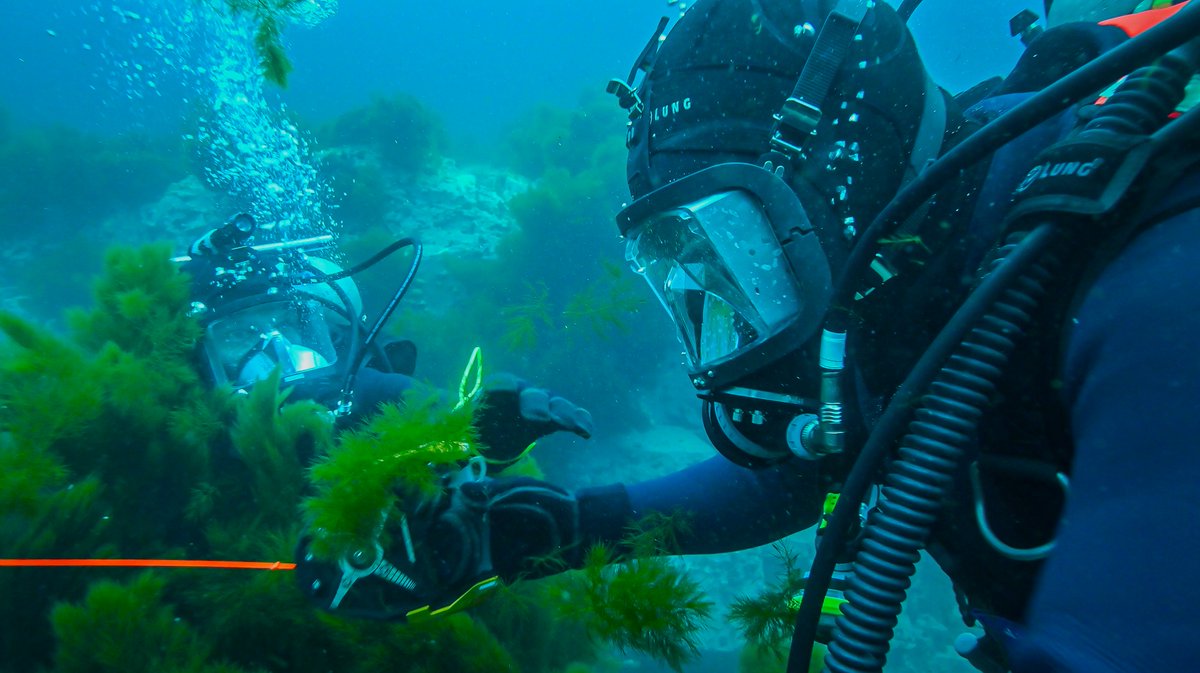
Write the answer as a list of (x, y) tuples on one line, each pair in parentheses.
[(717, 267), (246, 346)]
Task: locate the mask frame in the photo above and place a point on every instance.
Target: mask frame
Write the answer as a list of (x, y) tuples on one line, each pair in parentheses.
[(797, 238)]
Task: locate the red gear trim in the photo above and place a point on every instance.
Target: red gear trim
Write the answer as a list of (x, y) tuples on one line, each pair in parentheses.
[(1136, 24)]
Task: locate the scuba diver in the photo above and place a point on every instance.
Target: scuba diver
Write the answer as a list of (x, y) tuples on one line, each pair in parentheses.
[(964, 324), (277, 306)]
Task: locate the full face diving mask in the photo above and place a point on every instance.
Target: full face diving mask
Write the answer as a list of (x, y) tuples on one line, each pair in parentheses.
[(293, 336), (734, 259)]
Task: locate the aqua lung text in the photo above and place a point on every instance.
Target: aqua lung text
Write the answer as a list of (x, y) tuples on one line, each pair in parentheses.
[(1080, 169)]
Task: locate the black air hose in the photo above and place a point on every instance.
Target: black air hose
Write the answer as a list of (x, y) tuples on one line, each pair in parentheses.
[(369, 341), (920, 478)]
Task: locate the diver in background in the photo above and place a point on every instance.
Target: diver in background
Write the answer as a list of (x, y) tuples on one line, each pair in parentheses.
[(278, 307), (1052, 300)]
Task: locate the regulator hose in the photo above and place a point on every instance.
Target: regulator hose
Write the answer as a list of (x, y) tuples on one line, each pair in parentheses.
[(1149, 94), (912, 496), (361, 352)]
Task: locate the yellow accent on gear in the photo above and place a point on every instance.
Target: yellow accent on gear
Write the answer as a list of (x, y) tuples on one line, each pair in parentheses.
[(469, 598), (831, 500), (468, 390)]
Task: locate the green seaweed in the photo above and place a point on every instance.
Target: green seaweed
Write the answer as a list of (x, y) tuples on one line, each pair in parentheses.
[(766, 618), (607, 303), (275, 442), (522, 320), (63, 520), (259, 620), (269, 16), (25, 474), (94, 426), (634, 597), (572, 138), (402, 448), (142, 306), (521, 617), (452, 644), (757, 659), (273, 61), (405, 133), (47, 398), (60, 184), (126, 628), (647, 605)]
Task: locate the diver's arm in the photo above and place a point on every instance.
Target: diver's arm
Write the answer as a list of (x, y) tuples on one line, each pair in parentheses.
[(723, 507), (1119, 592)]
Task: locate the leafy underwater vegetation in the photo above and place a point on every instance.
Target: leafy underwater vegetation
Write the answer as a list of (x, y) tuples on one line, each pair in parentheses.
[(407, 136), (54, 178), (767, 618), (270, 17), (402, 450)]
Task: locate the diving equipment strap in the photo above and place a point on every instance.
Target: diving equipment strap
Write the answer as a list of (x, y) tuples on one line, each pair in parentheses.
[(801, 112)]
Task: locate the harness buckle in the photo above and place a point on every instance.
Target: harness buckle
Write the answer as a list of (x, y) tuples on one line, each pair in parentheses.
[(627, 97), (794, 123)]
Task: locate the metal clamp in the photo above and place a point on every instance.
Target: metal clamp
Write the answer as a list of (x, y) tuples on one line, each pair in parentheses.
[(795, 122), (355, 567)]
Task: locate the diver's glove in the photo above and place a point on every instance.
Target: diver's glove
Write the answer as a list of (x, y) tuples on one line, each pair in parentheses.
[(449, 553), (534, 526), (513, 415)]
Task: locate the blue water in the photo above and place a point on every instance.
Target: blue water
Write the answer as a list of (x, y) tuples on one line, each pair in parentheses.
[(170, 67), (182, 68), (477, 64)]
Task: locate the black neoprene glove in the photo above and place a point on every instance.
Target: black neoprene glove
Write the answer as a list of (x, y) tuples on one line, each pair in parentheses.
[(478, 530), (533, 526), (513, 414)]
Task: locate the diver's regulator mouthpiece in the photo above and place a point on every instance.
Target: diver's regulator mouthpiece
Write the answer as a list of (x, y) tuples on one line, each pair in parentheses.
[(755, 428)]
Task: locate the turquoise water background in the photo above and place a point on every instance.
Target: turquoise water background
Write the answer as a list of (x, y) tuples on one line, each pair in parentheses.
[(115, 70), (477, 64)]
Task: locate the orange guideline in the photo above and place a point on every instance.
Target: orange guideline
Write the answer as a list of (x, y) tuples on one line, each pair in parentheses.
[(141, 563)]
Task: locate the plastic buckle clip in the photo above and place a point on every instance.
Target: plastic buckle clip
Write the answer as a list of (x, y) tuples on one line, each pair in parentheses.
[(627, 97), (794, 123)]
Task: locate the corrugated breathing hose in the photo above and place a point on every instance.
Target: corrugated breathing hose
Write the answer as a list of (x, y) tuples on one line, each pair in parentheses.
[(912, 495)]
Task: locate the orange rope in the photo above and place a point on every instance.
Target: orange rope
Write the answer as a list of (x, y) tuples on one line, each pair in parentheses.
[(141, 563)]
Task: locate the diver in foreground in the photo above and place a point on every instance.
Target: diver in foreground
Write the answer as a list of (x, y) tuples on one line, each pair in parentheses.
[(977, 316)]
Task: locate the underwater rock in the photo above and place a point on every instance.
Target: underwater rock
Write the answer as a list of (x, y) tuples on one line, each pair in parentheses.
[(460, 210), (455, 209), (186, 209)]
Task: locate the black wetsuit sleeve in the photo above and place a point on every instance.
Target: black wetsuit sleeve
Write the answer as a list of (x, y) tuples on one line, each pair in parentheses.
[(1119, 591), (374, 388), (724, 507)]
